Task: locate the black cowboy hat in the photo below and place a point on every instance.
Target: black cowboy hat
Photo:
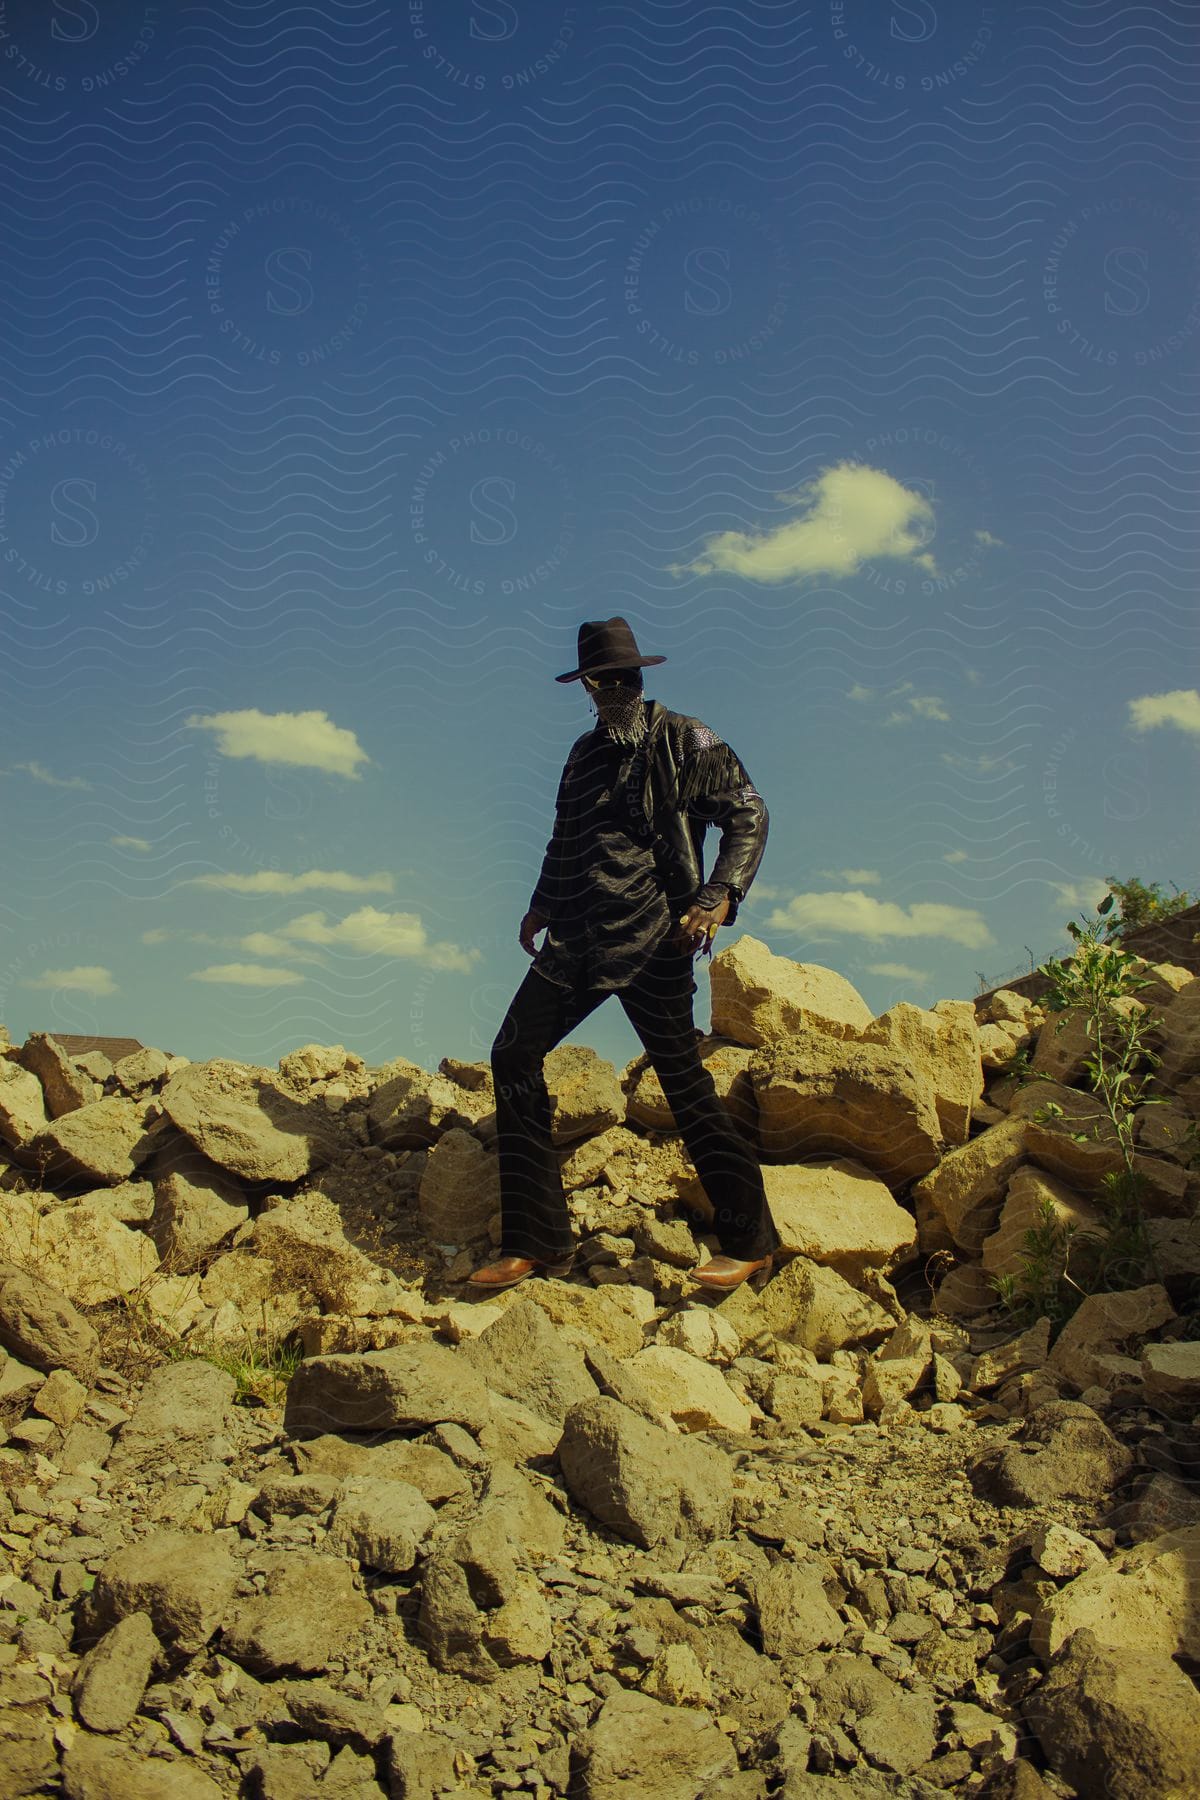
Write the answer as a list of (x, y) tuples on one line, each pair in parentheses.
[(607, 644)]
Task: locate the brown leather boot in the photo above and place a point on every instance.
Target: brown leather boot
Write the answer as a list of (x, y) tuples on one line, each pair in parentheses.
[(508, 1270), (724, 1273)]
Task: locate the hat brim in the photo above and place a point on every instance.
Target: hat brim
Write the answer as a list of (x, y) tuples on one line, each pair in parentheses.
[(628, 662)]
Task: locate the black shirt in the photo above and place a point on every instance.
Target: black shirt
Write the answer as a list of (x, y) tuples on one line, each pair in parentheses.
[(600, 887)]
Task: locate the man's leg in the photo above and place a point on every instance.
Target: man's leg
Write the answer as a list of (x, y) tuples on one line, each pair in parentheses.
[(659, 1007), (533, 1209)]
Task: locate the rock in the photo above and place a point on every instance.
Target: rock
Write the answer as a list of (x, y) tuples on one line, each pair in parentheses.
[(480, 1610), (1121, 1726), (460, 1189), (1017, 1780), (1142, 1600), (1063, 1553), (95, 1768), (1069, 1133), (614, 1317), (22, 1108), (411, 1386), (1176, 1247), (321, 1711), (702, 1331), (28, 1753), (760, 998), (103, 1141), (419, 1764), (1171, 1377), (90, 1256), (839, 1214), (423, 1466), (585, 1095), (689, 1391), (957, 1204), (898, 1368), (943, 1048), (142, 1069), (61, 1398), (410, 1108), (129, 1202), (1093, 1348), (523, 1356), (111, 1678), (39, 1324), (183, 1416), (246, 1123), (794, 1613), (997, 1045), (816, 1307), (309, 1613), (647, 1486), (64, 1086), (819, 1095), (677, 1679), (966, 1291), (381, 1522), (195, 1211), (725, 1062), (184, 1581), (896, 1729), (1063, 1451), (797, 1401), (1026, 1351), (633, 1731), (1181, 1036), (305, 1239), (1030, 1195)]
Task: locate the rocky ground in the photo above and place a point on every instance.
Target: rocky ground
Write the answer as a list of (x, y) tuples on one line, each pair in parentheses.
[(286, 1515)]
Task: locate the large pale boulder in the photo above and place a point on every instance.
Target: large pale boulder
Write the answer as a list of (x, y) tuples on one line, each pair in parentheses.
[(824, 1095), (1143, 1599), (818, 1309), (197, 1206), (89, 1255), (523, 1356), (1068, 1133), (692, 1393), (645, 1484), (1181, 1035), (142, 1069), (407, 1388), (104, 1141), (64, 1086), (585, 1095), (39, 1325), (638, 1745), (245, 1122), (410, 1108), (305, 1240), (958, 1203), (838, 1213), (613, 1317), (725, 1062), (460, 1189), (942, 1047), (1032, 1196), (1171, 1377), (759, 998), (182, 1579), (1100, 1344), (1127, 1727), (309, 1613), (184, 1416), (22, 1107)]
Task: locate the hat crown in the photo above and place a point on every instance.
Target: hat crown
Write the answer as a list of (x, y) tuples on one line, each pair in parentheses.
[(608, 644)]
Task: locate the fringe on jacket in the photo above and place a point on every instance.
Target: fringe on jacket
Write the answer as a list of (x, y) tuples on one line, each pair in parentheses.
[(714, 770)]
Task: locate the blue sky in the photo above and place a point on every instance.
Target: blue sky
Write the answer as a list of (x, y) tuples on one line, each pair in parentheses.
[(354, 353)]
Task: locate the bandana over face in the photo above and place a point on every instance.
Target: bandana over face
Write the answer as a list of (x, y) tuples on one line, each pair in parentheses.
[(621, 708)]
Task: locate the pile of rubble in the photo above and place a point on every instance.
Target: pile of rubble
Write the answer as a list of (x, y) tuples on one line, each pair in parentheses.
[(606, 1536)]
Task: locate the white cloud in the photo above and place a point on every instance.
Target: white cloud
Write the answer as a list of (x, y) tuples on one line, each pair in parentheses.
[(1180, 708), (850, 514), (158, 934), (988, 541), (87, 978), (270, 943), (860, 877), (372, 932), (247, 975), (898, 971), (276, 881), (956, 856), (130, 843), (40, 773), (859, 692), (855, 914), (307, 740), (762, 890), (1086, 894)]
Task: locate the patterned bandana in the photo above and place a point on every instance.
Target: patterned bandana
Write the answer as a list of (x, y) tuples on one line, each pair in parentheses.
[(622, 711)]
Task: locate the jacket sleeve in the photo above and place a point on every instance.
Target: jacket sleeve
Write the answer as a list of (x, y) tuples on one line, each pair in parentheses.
[(547, 895), (715, 789)]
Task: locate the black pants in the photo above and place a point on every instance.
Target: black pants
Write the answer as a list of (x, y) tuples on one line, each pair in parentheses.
[(658, 1003)]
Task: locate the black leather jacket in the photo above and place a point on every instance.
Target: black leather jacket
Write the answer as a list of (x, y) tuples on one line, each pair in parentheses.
[(690, 780)]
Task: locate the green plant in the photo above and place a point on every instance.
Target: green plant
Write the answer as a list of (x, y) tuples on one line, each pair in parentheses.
[(1141, 904), (1098, 983), (261, 1365)]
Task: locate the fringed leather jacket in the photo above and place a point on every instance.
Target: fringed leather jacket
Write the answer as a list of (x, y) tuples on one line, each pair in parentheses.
[(688, 779)]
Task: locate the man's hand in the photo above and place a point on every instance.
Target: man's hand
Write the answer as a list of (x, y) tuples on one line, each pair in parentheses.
[(531, 924), (698, 926)]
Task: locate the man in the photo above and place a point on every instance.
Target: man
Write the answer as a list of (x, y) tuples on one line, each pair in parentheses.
[(624, 904)]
